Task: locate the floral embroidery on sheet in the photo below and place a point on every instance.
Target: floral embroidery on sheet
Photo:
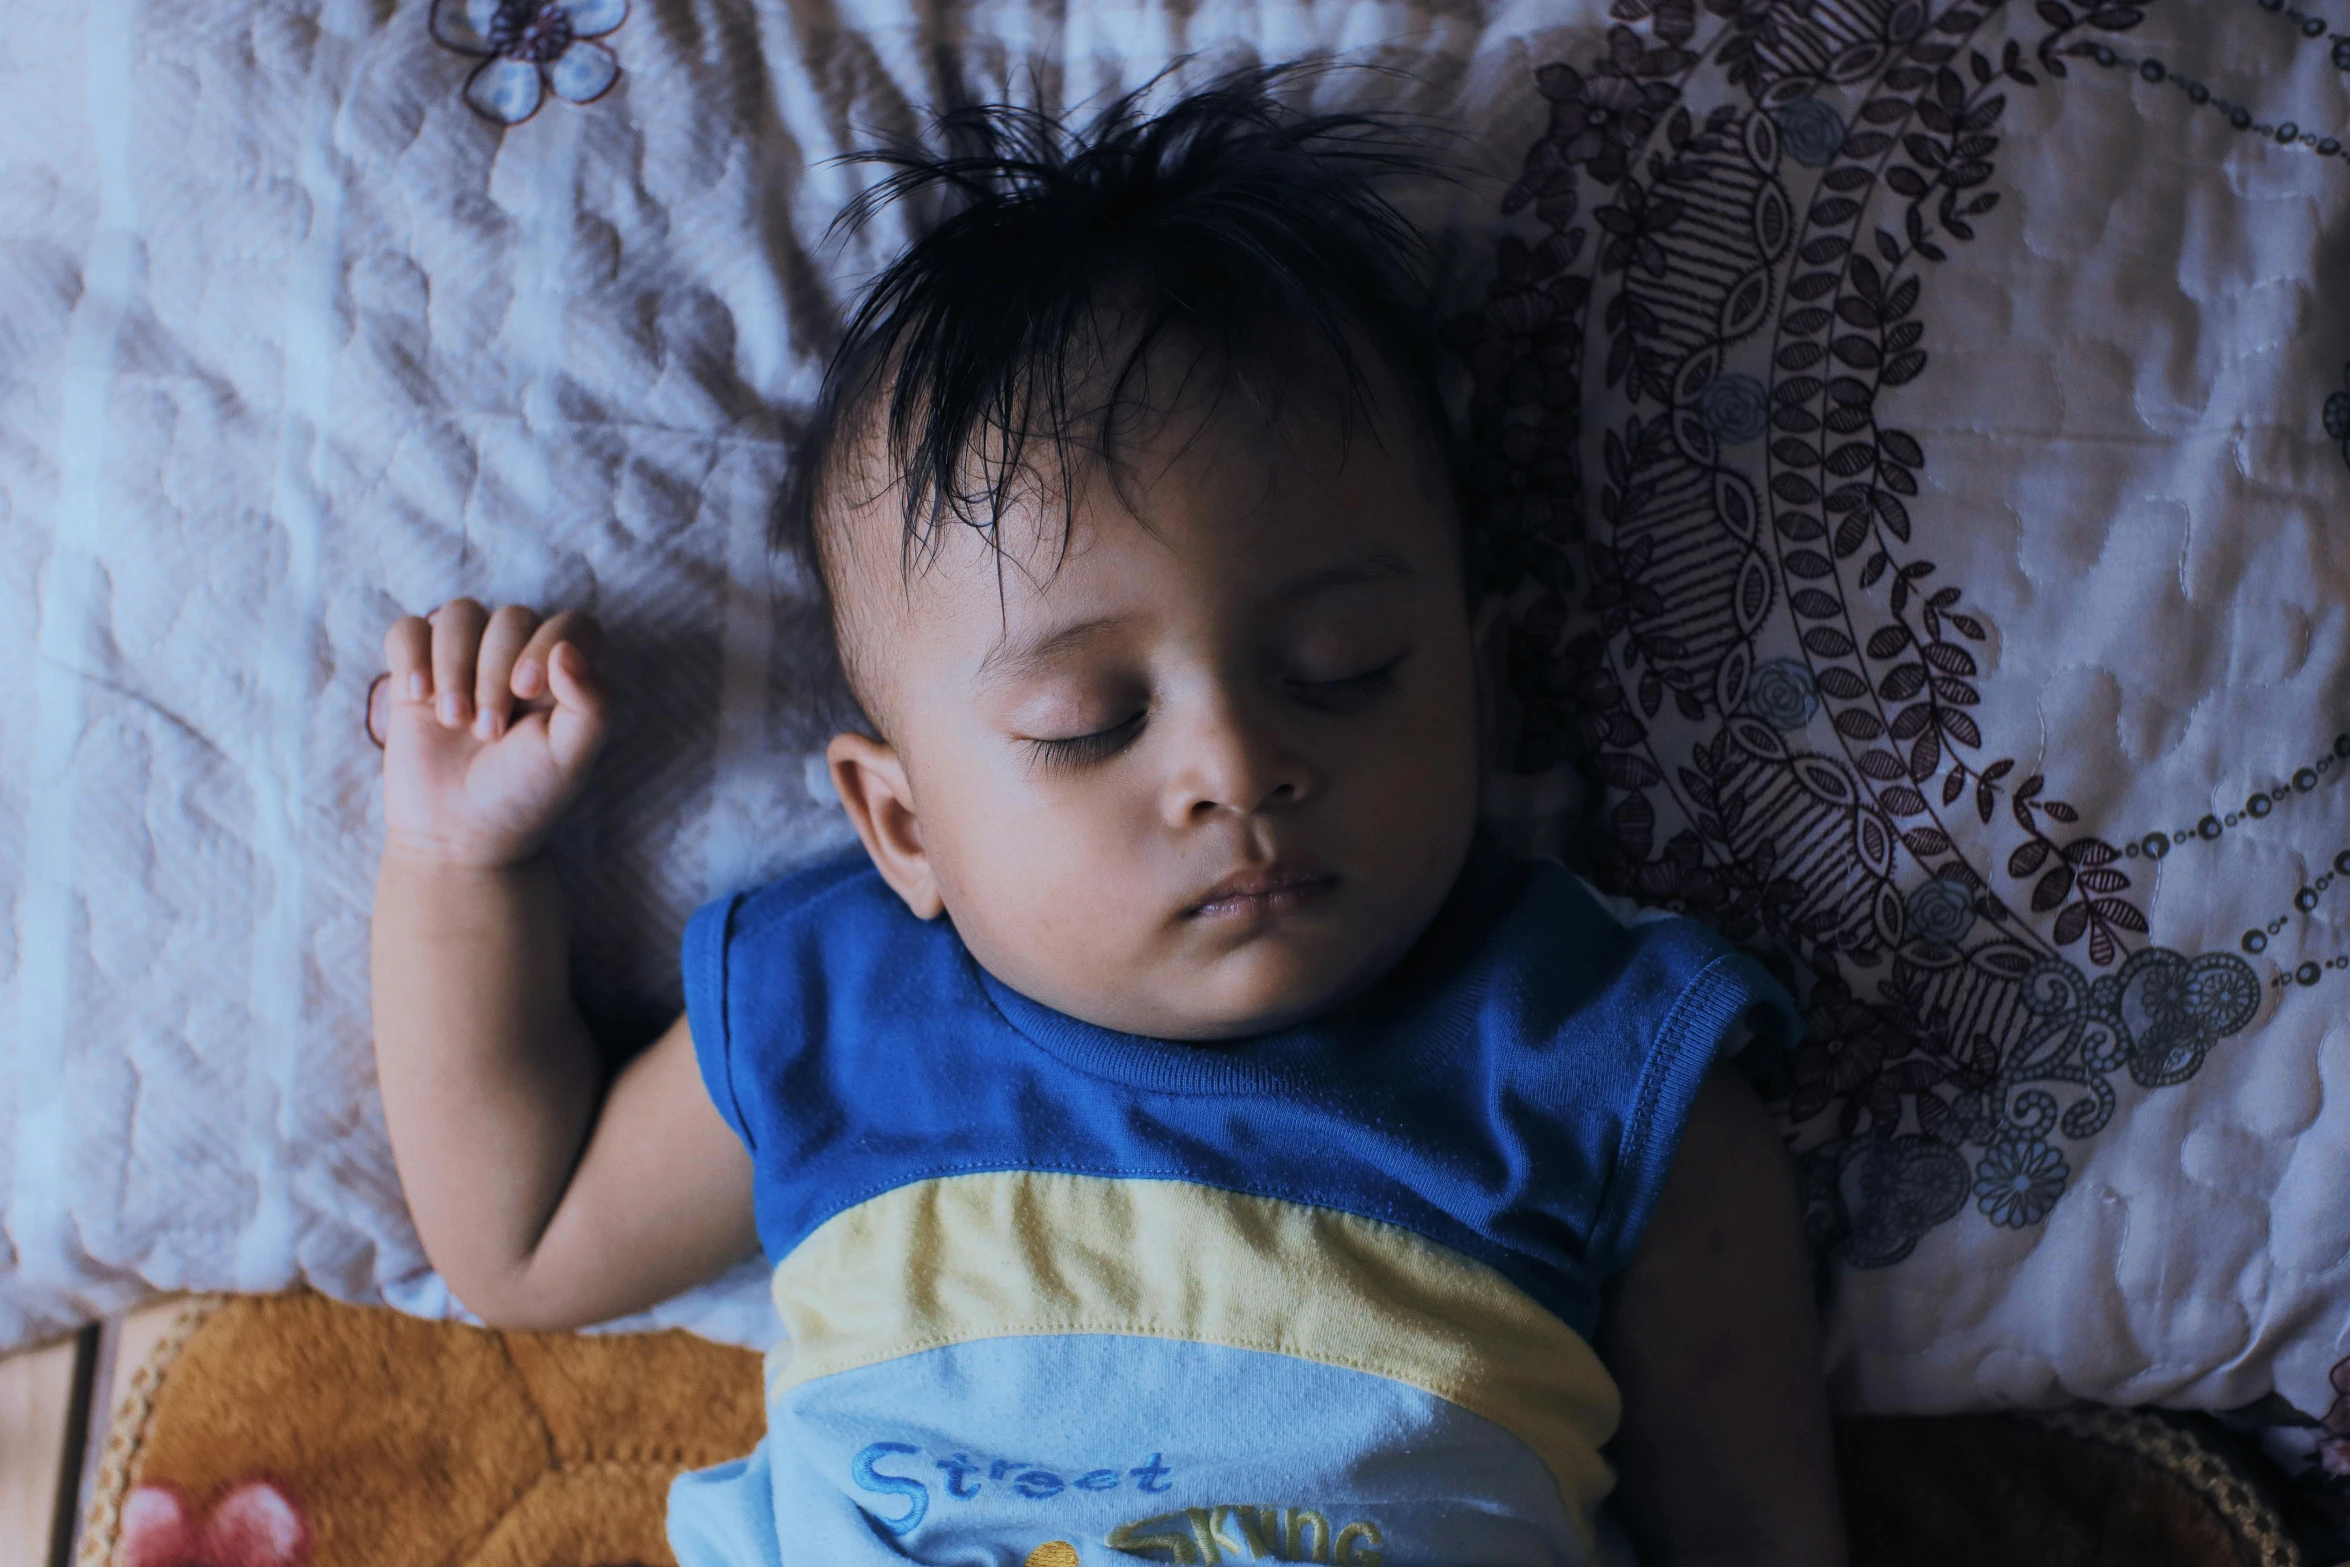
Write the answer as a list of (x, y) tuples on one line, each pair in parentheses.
[(1733, 632), (529, 48)]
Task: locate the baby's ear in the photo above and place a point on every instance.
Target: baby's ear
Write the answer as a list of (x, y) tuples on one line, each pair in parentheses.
[(871, 782)]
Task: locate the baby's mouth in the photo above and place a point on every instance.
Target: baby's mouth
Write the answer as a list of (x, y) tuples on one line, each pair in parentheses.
[(1262, 892)]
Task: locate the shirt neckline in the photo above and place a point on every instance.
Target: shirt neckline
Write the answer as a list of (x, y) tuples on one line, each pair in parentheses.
[(1216, 1067)]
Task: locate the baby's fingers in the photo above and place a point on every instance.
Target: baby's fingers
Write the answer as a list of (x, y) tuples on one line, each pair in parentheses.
[(576, 726), (408, 655), (493, 681), (407, 680), (456, 643), (574, 626)]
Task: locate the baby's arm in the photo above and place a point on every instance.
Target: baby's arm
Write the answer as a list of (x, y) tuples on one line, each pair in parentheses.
[(545, 1196), (1712, 1336)]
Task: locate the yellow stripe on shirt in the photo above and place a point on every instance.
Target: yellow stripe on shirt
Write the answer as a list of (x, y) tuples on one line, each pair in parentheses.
[(1013, 1253)]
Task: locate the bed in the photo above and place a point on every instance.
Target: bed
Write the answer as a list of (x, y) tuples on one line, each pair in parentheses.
[(1913, 438)]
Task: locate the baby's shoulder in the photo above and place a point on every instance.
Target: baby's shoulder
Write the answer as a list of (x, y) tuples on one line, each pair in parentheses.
[(845, 887), (838, 911), (820, 939), (1549, 961), (1536, 914)]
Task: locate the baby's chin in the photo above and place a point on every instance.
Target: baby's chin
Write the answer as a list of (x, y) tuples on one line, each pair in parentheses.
[(1265, 987), (1193, 981)]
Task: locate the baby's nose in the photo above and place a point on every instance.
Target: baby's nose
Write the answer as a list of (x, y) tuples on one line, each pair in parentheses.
[(1236, 761)]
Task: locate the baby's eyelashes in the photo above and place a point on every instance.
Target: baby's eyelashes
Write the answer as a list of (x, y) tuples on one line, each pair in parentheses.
[(1060, 711), (1098, 745), (1347, 693)]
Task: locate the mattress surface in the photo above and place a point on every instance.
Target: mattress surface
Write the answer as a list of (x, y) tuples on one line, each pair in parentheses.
[(1914, 440)]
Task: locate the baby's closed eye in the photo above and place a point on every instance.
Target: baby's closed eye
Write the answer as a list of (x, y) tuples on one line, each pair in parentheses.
[(1068, 723), (1091, 746), (1366, 681)]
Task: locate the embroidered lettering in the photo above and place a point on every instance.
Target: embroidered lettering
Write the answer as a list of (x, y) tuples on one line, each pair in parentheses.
[(1208, 1534), (1261, 1527), (1365, 1554), (959, 1470), (1220, 1535), (1138, 1539), (965, 1478), (868, 1478)]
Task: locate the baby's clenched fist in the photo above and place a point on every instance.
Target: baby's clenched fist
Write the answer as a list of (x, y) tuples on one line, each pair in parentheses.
[(489, 722)]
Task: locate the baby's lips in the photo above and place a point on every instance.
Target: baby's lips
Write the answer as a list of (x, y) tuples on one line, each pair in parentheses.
[(1269, 882)]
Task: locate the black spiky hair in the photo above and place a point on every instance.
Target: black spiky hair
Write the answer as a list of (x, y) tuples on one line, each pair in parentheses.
[(1027, 314)]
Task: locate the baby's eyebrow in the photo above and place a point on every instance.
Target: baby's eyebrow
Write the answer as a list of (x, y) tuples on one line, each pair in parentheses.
[(1007, 659), (1380, 566)]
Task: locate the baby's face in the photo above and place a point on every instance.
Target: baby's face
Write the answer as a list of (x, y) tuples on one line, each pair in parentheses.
[(1209, 772)]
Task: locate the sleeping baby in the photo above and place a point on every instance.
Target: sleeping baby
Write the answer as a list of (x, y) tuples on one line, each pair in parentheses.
[(1178, 1136)]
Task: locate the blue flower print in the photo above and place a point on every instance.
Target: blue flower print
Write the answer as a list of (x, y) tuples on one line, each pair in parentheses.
[(1734, 407), (1942, 911), (2018, 1181), (529, 48), (1811, 132), (1971, 1119), (1781, 693)]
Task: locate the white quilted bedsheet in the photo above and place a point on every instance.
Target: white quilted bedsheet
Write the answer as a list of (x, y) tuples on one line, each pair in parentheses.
[(292, 341)]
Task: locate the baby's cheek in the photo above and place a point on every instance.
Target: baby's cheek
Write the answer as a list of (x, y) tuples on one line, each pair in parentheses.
[(1070, 884), (1418, 775), (1411, 815)]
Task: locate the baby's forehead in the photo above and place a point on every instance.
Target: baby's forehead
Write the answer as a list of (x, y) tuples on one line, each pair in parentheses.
[(1251, 471), (1221, 526), (1238, 476)]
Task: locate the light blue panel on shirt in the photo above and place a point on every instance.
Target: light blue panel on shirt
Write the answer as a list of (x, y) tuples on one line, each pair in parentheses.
[(725, 1516), (980, 1453)]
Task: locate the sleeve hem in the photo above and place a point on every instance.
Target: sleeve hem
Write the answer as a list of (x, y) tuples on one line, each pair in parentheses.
[(707, 936), (1683, 1052)]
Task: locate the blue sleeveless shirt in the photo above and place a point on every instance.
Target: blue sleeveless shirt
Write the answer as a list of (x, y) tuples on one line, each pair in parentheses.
[(1057, 1296)]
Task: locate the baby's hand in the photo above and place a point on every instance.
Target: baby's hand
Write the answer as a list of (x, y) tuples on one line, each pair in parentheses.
[(489, 723)]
